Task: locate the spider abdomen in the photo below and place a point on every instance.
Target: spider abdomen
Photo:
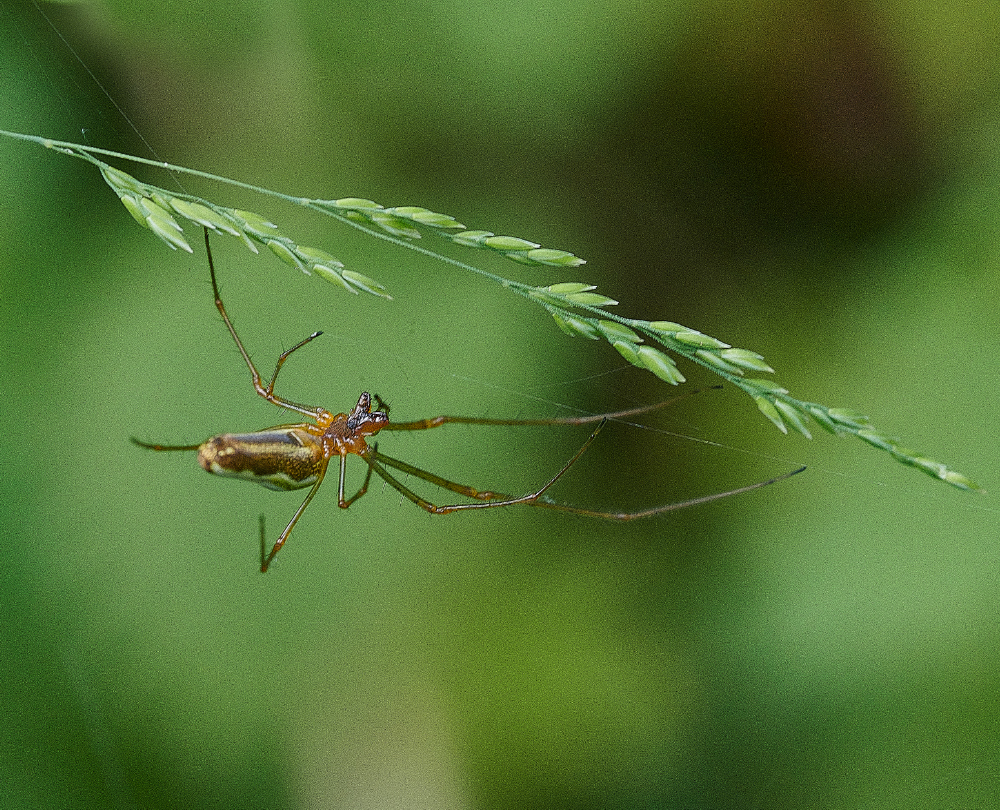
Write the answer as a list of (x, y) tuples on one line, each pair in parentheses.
[(280, 458)]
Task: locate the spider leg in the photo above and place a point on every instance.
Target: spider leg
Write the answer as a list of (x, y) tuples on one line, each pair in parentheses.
[(669, 507), (400, 487), (268, 392), (284, 355), (266, 561), (437, 421), (431, 478), (488, 500), (343, 502), (149, 446), (263, 543), (484, 499)]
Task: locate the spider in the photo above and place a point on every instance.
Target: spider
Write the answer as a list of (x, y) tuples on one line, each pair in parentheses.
[(295, 456)]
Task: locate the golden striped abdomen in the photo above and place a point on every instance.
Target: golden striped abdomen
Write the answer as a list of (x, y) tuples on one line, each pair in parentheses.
[(278, 458)]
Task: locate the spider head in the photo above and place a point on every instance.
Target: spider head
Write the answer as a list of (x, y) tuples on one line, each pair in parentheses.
[(363, 420)]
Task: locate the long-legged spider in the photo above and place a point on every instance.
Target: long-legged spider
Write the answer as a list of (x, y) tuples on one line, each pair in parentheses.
[(287, 457)]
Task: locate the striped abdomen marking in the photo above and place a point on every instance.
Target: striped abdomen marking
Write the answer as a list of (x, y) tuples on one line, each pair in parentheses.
[(281, 458)]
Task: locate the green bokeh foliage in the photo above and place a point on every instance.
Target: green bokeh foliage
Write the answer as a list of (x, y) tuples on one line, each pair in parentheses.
[(815, 183)]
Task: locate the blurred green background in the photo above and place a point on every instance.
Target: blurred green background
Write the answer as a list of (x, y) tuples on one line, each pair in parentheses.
[(815, 181)]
